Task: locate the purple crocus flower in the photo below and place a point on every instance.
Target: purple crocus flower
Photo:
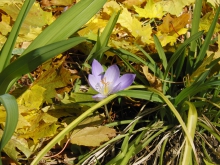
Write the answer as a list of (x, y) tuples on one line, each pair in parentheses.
[(109, 82)]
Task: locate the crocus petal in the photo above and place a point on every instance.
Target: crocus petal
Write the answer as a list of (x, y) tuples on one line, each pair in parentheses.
[(99, 97), (126, 80), (112, 74), (94, 81), (97, 68), (116, 88)]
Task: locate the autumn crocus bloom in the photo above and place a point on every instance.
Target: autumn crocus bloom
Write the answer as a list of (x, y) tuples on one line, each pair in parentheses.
[(109, 82)]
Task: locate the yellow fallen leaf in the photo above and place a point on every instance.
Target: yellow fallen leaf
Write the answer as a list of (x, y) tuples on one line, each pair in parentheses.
[(111, 7), (170, 38), (44, 130), (151, 10), (9, 2), (93, 26), (32, 98), (30, 35), (5, 28), (135, 27), (214, 3), (175, 7), (206, 21)]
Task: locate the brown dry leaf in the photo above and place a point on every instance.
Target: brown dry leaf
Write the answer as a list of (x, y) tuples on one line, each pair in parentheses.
[(93, 136), (153, 80), (59, 2), (131, 3), (171, 24)]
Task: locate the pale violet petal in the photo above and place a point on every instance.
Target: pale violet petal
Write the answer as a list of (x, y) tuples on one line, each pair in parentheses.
[(93, 81), (99, 97), (126, 80), (112, 74), (97, 68), (116, 88)]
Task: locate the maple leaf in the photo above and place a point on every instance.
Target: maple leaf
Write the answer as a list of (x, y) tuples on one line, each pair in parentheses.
[(30, 29), (175, 7), (151, 10), (170, 38), (206, 21), (54, 76), (32, 98), (16, 143), (111, 7), (135, 26), (5, 27), (124, 45), (171, 24), (93, 27), (42, 131), (131, 3)]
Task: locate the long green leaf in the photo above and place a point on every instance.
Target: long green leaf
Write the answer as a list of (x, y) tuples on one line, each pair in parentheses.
[(11, 107), (191, 126), (179, 118), (104, 38), (206, 43), (33, 59), (195, 23), (152, 66), (160, 51), (67, 23), (178, 52), (6, 51), (141, 94), (192, 90)]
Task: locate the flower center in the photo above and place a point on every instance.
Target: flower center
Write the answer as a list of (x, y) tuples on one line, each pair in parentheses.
[(103, 87)]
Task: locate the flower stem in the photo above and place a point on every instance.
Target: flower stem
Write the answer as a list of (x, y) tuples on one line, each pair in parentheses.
[(106, 113)]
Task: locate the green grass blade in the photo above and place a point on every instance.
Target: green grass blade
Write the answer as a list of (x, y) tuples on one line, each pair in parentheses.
[(206, 43), (144, 81), (33, 59), (179, 118), (132, 57), (195, 23), (6, 51), (11, 107), (192, 90), (178, 52), (141, 94), (67, 23), (152, 65), (104, 38), (191, 126), (160, 51), (68, 128)]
